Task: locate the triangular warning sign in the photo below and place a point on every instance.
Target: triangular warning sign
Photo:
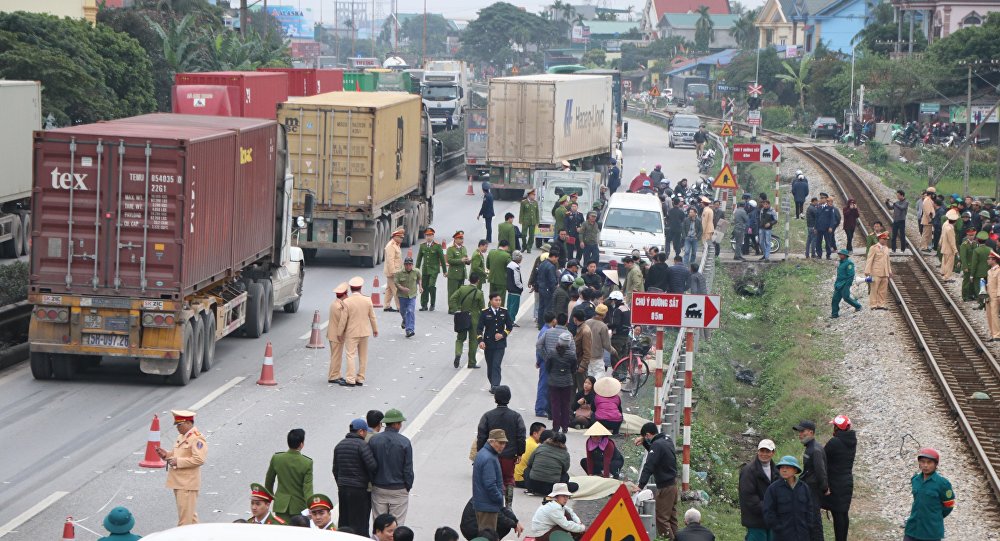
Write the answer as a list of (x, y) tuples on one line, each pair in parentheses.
[(725, 179), (618, 520), (727, 130)]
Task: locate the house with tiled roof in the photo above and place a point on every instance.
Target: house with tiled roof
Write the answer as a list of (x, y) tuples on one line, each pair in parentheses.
[(940, 18), (683, 25), (656, 9), (787, 22)]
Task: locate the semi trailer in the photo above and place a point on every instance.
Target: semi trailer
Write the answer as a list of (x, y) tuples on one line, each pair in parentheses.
[(20, 115)]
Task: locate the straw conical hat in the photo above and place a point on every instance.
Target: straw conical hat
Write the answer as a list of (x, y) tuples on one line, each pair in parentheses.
[(597, 429), (607, 387)]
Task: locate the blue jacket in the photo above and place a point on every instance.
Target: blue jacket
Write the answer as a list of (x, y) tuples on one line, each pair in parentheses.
[(827, 218), (546, 278), (487, 481), (800, 190), (614, 178), (788, 512), (486, 211)]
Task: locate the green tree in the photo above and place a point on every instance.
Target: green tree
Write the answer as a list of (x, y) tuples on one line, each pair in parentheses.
[(881, 33), (798, 78), (971, 44), (438, 30), (594, 58), (134, 23), (703, 35), (744, 31), (181, 48), (501, 34)]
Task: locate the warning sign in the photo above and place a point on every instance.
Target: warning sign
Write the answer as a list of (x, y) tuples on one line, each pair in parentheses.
[(727, 130), (725, 179), (618, 521)]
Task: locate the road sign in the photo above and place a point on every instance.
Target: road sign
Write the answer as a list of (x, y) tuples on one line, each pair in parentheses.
[(725, 179), (618, 521), (674, 310), (727, 130), (655, 91), (755, 89), (756, 152), (930, 108), (753, 117)]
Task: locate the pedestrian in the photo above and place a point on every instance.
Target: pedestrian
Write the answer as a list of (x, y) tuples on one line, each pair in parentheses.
[(529, 218), (721, 227), (614, 177), (383, 527), (583, 404), (583, 340), (691, 229), (851, 215), (590, 238), (559, 350), (741, 221), (675, 227), (813, 472), (408, 286), (354, 467), (696, 282), (184, 464), (680, 276), (658, 277), (294, 473), (800, 191), (496, 265), (119, 524), (634, 281), (338, 310), (554, 516), (788, 506), (542, 408), (468, 303), (755, 477), (320, 506), (260, 506), (375, 425), (754, 230), (487, 481), (393, 264), (767, 220), (356, 327), (693, 530), (638, 181), (926, 218), (559, 214), (458, 259), (510, 422), (936, 222), (590, 277), (872, 238), (949, 246), (826, 224), (707, 220), (431, 262), (601, 455), (478, 261), (933, 499), (561, 295), (506, 230), (608, 403), (546, 282), (700, 138), (560, 245), (515, 285), (993, 297), (491, 332), (572, 224), (486, 211), (965, 257), (840, 451), (661, 465), (899, 208), (842, 286), (393, 480), (600, 342), (812, 239), (980, 266), (878, 267), (530, 444)]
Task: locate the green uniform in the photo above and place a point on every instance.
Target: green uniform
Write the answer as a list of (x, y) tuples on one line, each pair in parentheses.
[(870, 240), (479, 267), (506, 231), (933, 499), (468, 298), (496, 262), (559, 215), (980, 267), (456, 271), (294, 472), (271, 519), (965, 256), (430, 261), (410, 279), (528, 217), (842, 287)]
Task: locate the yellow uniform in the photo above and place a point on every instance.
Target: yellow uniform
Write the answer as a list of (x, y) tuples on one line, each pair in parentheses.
[(948, 250), (927, 206), (337, 310), (393, 264), (356, 325), (878, 267), (993, 306), (190, 451), (707, 224)]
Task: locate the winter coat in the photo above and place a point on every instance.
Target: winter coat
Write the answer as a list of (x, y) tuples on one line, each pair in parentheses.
[(354, 464), (814, 468), (840, 451), (506, 521), (826, 218), (800, 190), (560, 301), (658, 277), (560, 367), (788, 511), (753, 485), (675, 217), (486, 210), (546, 279), (661, 462), (695, 532), (487, 482), (608, 409), (394, 455), (548, 463), (512, 425), (740, 219), (680, 276), (812, 211)]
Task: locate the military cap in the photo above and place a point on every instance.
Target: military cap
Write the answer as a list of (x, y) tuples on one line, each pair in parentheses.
[(182, 416), (970, 231), (953, 214), (356, 283), (393, 416), (546, 247), (529, 192), (429, 231), (982, 235), (883, 235), (260, 492), (844, 252), (320, 501), (341, 289), (399, 232), (407, 260), (459, 234), (984, 214)]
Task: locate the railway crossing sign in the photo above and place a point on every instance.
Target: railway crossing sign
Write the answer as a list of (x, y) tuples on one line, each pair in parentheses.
[(727, 130), (618, 521), (725, 179), (753, 117), (757, 152), (755, 89), (674, 310)]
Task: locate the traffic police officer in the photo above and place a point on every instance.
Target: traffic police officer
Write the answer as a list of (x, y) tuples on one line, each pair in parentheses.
[(528, 216), (430, 260), (491, 333), (260, 506), (319, 509), (842, 287), (458, 258), (184, 466)]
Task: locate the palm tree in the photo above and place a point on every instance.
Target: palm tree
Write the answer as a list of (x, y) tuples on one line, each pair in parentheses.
[(180, 50), (798, 79), (745, 30), (703, 35)]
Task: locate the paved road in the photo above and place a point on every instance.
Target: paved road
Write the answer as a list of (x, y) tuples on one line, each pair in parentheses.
[(72, 448)]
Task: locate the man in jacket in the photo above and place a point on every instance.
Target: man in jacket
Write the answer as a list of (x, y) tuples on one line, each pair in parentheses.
[(430, 261), (813, 472), (529, 218), (813, 237), (294, 473), (584, 341), (486, 213), (741, 221), (980, 265), (675, 226), (510, 422), (614, 177), (184, 462), (800, 191), (496, 263), (392, 482), (408, 289), (661, 463), (842, 286), (691, 230), (707, 219), (393, 264), (487, 480), (479, 262), (693, 530), (491, 332), (468, 298), (880, 269), (965, 256), (574, 219), (927, 218), (898, 208), (560, 297), (515, 285), (949, 245), (458, 259), (827, 221), (506, 231), (546, 281), (840, 452), (768, 219), (933, 499), (354, 466), (590, 238), (679, 277), (658, 276), (356, 327), (788, 506), (755, 477), (337, 311), (600, 341), (633, 278)]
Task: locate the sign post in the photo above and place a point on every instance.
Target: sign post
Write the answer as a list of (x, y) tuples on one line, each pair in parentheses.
[(618, 520)]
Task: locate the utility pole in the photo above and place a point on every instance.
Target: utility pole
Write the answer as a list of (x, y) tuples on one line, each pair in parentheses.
[(243, 17), (423, 50), (968, 133), (373, 28), (997, 194)]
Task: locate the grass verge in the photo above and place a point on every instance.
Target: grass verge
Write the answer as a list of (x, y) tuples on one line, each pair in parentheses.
[(913, 175)]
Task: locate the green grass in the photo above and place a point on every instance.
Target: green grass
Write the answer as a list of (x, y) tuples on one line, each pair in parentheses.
[(913, 176)]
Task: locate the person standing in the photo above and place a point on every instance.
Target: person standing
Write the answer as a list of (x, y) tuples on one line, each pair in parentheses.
[(634, 281), (529, 218), (479, 262), (980, 265), (337, 311), (515, 285), (184, 464), (800, 191), (827, 221), (768, 218), (491, 332), (486, 211), (574, 220), (842, 286), (692, 232), (741, 220), (559, 350), (675, 227), (559, 215), (260, 506), (590, 238), (487, 480), (356, 327), (661, 464), (949, 245), (614, 177), (430, 261), (393, 264), (788, 506), (509, 422), (458, 259), (600, 341), (851, 215), (320, 506), (933, 499), (840, 452), (877, 266), (899, 208), (965, 258), (993, 297), (700, 138), (506, 230), (707, 219), (542, 408), (496, 265), (393, 480), (354, 466), (755, 477), (294, 473), (408, 284), (926, 218), (812, 239), (813, 472), (546, 281), (468, 299)]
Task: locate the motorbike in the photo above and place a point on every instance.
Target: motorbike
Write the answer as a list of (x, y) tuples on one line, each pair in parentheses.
[(706, 161)]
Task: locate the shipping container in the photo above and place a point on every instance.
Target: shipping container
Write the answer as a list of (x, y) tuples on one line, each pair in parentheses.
[(475, 143), (20, 116), (310, 81), (360, 82), (230, 93)]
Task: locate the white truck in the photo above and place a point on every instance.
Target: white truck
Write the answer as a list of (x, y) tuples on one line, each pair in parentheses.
[(552, 185), (21, 115), (444, 88)]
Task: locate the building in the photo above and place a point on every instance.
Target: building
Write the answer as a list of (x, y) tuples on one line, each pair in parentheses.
[(74, 9), (609, 34), (787, 22), (838, 23), (683, 25), (940, 18), (654, 11)]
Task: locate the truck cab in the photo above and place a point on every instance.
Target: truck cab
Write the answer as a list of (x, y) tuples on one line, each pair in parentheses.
[(552, 185), (444, 97)]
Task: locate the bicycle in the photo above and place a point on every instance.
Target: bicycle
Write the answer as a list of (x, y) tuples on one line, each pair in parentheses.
[(775, 243), (632, 370)]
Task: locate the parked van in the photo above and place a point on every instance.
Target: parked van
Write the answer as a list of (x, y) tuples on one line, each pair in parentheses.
[(551, 185), (631, 221)]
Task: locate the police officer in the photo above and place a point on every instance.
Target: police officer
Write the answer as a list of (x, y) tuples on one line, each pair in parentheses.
[(319, 509), (260, 506), (430, 260), (408, 284), (184, 466), (468, 298), (528, 216), (491, 333), (294, 474), (458, 258), (842, 287)]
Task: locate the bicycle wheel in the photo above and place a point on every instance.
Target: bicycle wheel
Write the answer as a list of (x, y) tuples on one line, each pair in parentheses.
[(622, 372), (775, 244), (640, 373)]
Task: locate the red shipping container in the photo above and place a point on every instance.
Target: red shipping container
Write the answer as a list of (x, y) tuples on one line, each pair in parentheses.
[(311, 81), (250, 94)]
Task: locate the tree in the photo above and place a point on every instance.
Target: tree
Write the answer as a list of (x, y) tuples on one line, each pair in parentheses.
[(798, 78), (703, 35), (133, 22), (970, 44), (180, 47), (503, 31), (438, 30), (594, 58), (881, 33), (744, 29)]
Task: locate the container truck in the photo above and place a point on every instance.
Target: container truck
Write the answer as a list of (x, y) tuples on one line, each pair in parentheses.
[(364, 165), (475, 144), (621, 127), (536, 122), (251, 94), (310, 81), (21, 115), (163, 234), (688, 88), (444, 87)]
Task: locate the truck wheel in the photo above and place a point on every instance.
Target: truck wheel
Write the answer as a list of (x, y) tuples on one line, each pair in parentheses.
[(268, 303), (41, 365), (11, 248), (19, 237), (65, 366), (182, 375), (254, 326), (208, 359), (198, 351), (26, 230), (382, 237)]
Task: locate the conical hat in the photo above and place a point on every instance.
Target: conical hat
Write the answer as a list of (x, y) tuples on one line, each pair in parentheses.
[(597, 429), (608, 387)]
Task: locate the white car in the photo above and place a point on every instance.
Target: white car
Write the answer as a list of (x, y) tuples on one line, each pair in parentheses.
[(630, 221)]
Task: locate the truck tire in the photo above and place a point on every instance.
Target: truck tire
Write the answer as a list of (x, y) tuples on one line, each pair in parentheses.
[(182, 376), (208, 359), (198, 351), (10, 247), (268, 302), (26, 229), (382, 237), (19, 237), (254, 326), (41, 365), (65, 367)]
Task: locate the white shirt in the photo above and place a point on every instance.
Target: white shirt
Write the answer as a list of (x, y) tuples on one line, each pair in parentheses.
[(551, 515)]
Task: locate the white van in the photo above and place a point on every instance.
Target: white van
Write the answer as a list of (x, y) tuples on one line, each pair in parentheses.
[(631, 221), (551, 185)]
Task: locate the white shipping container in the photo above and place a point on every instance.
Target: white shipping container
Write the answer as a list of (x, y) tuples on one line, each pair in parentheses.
[(544, 119), (20, 116)]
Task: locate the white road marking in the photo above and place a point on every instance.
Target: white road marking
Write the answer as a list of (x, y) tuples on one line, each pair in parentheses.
[(322, 326), (216, 393), (34, 510)]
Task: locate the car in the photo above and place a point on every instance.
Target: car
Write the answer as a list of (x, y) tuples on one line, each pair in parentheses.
[(824, 126), (630, 221), (682, 130)]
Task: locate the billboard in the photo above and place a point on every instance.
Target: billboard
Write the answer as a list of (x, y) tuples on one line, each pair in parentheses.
[(293, 21)]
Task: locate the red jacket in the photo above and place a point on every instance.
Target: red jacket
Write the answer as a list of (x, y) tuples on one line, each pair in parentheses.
[(637, 182)]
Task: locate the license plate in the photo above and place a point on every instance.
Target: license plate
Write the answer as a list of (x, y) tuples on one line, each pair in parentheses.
[(110, 340)]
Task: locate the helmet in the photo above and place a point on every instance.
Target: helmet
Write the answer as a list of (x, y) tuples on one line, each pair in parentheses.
[(616, 296), (408, 261), (842, 422), (932, 454), (664, 181), (798, 172), (658, 166), (567, 278), (753, 204), (642, 171), (645, 183)]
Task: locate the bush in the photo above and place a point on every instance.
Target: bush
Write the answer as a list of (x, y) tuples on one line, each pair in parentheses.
[(452, 139), (777, 118), (13, 282), (877, 154)]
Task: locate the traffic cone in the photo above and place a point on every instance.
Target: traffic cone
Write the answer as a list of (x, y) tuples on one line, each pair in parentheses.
[(469, 191), (315, 340), (69, 531), (376, 296), (444, 245), (409, 253), (267, 370), (152, 459)]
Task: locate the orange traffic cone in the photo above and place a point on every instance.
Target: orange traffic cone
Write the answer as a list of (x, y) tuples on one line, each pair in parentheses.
[(409, 253), (315, 340), (267, 371), (376, 296), (69, 531), (444, 245), (152, 459), (469, 191)]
